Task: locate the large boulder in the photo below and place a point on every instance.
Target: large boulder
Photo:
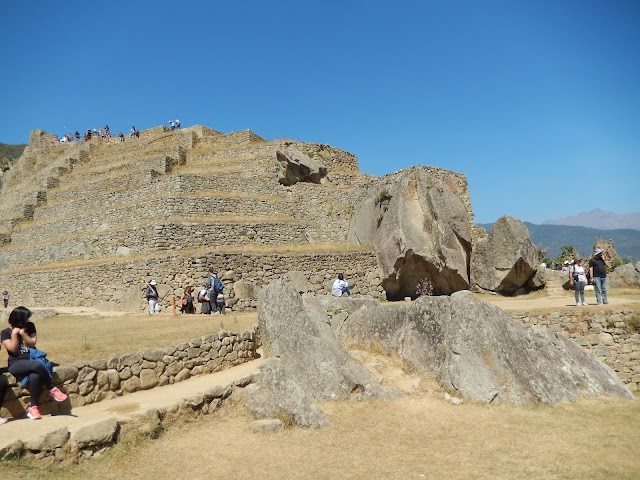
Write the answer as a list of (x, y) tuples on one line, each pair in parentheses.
[(419, 223), (475, 349), (624, 276), (506, 260), (306, 344), (295, 166), (276, 394)]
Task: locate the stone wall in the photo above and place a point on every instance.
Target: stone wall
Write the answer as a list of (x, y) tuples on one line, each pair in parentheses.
[(116, 285), (96, 380), (607, 335)]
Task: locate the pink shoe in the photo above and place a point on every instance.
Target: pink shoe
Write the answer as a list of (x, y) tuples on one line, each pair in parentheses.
[(3, 420), (33, 412), (57, 394)]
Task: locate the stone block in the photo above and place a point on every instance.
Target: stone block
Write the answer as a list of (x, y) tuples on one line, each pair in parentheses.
[(96, 434)]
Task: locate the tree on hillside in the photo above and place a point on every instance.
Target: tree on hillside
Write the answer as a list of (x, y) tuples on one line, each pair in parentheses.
[(567, 252)]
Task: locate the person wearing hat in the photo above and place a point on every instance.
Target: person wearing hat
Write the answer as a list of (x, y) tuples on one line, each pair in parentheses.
[(577, 280), (598, 271), (565, 266), (152, 297)]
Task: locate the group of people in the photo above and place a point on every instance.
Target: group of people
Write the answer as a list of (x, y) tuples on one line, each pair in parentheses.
[(210, 297), (579, 276), (101, 133), (174, 124), (26, 363)]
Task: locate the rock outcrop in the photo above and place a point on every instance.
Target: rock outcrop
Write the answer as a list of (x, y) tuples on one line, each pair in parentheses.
[(506, 260), (307, 346), (625, 276), (475, 349), (295, 166), (420, 226)]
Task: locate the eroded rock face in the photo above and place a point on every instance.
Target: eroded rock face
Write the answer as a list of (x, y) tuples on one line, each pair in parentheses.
[(420, 226), (506, 260), (305, 342), (295, 166), (276, 393), (476, 349), (624, 276)]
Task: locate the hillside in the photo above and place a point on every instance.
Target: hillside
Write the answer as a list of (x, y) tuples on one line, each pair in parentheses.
[(11, 151), (626, 241), (600, 219)]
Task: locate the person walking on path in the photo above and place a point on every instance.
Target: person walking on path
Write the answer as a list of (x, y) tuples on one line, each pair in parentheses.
[(598, 272), (5, 298), (18, 339), (153, 297), (340, 287), (577, 280)]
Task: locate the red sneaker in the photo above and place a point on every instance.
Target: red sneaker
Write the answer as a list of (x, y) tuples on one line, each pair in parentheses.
[(57, 394), (33, 412)]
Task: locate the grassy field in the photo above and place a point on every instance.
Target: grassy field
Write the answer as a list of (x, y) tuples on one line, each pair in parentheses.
[(70, 338), (418, 437)]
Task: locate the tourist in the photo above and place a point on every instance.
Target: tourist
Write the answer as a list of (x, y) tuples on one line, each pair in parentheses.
[(121, 137), (565, 266), (186, 301), (598, 273), (204, 299), (177, 124), (77, 136), (153, 297), (577, 280), (5, 298), (133, 133), (220, 304), (18, 339), (340, 287), (171, 125)]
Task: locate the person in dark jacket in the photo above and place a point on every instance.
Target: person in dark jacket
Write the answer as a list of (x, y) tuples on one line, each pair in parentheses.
[(18, 339), (598, 270)]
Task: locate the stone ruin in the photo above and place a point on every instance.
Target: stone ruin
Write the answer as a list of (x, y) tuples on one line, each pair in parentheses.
[(87, 222)]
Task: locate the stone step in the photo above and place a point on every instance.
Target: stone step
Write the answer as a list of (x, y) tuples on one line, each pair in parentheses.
[(93, 427)]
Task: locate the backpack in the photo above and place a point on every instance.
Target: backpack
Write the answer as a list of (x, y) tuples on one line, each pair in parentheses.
[(217, 285)]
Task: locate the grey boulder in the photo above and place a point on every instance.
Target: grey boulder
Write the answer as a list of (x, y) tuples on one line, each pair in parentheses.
[(419, 222), (476, 349), (506, 260)]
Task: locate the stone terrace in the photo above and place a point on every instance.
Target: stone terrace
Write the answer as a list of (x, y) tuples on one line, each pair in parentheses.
[(167, 206)]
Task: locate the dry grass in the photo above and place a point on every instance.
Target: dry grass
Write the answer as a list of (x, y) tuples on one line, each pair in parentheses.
[(69, 338), (419, 437)]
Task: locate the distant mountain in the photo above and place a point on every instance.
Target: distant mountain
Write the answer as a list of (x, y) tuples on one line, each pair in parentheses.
[(625, 241), (601, 220)]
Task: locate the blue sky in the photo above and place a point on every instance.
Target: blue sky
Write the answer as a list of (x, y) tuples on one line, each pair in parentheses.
[(537, 102)]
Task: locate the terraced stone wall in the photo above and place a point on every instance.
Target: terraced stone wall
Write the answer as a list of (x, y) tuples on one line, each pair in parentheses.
[(608, 335), (96, 380), (117, 286)]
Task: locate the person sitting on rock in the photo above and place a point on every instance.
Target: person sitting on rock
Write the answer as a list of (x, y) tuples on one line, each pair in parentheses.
[(340, 287), (19, 339)]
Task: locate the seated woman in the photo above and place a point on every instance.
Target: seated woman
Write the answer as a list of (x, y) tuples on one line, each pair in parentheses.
[(18, 339)]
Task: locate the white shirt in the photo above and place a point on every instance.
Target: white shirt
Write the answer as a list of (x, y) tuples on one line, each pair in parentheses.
[(336, 289), (580, 271)]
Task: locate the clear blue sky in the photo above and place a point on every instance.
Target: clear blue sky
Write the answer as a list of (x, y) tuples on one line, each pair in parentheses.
[(537, 102)]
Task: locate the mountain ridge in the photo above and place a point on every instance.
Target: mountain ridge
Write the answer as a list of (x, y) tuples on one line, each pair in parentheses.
[(600, 219)]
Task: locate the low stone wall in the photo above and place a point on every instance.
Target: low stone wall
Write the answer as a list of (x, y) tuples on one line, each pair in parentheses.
[(96, 380), (606, 334)]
